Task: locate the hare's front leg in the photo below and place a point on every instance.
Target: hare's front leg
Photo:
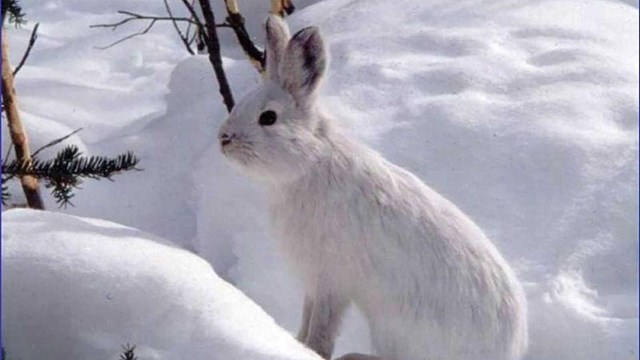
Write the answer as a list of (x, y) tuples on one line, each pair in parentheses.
[(326, 312), (354, 356), (306, 317)]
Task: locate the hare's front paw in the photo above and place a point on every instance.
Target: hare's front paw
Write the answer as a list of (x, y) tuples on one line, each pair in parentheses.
[(306, 317), (325, 316), (322, 344), (354, 356)]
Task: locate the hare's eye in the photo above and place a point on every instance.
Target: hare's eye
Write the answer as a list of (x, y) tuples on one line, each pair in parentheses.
[(268, 117)]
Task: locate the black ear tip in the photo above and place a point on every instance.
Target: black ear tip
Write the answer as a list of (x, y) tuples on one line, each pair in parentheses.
[(310, 33), (310, 28), (289, 8)]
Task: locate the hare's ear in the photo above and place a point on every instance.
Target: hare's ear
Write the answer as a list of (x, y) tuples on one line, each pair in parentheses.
[(277, 38), (303, 64)]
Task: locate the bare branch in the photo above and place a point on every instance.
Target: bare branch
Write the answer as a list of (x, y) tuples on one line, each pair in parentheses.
[(32, 41), (184, 39), (55, 142), (194, 14), (135, 16), (132, 16), (199, 29), (236, 21), (213, 45), (144, 31), (187, 32), (194, 36)]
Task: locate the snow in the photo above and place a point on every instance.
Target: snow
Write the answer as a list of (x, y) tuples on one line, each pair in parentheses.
[(97, 285), (523, 113)]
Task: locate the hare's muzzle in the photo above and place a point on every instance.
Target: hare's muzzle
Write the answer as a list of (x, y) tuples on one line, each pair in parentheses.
[(225, 138)]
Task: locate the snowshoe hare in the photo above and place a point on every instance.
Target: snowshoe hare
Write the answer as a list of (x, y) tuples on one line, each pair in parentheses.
[(359, 229)]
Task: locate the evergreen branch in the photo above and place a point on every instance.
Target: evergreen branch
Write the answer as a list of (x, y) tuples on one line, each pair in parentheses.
[(32, 41), (65, 172), (16, 16), (128, 352), (5, 200)]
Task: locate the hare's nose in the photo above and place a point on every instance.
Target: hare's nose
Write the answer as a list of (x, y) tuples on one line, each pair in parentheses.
[(225, 138)]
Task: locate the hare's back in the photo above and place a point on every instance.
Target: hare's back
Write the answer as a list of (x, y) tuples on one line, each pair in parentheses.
[(441, 274)]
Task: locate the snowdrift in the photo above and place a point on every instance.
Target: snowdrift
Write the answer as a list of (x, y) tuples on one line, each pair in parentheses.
[(80, 288)]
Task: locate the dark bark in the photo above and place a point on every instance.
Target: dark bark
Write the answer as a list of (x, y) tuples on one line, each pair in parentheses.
[(213, 45), (236, 21)]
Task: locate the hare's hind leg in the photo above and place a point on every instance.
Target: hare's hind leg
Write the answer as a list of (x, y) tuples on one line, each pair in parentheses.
[(354, 356)]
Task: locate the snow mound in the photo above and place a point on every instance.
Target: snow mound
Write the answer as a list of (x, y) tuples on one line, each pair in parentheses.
[(80, 288)]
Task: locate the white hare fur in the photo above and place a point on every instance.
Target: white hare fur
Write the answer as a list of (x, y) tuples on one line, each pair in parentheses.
[(358, 229)]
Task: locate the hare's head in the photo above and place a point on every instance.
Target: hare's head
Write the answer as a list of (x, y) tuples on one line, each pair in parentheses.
[(275, 133)]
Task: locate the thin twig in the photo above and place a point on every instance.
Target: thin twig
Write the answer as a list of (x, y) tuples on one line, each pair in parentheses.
[(194, 37), (184, 39), (6, 156), (135, 16), (153, 19), (187, 32), (55, 142), (144, 31), (32, 41), (213, 45), (194, 14)]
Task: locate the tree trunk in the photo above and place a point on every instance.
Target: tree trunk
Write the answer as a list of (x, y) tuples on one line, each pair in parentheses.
[(213, 44), (17, 131), (5, 7)]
